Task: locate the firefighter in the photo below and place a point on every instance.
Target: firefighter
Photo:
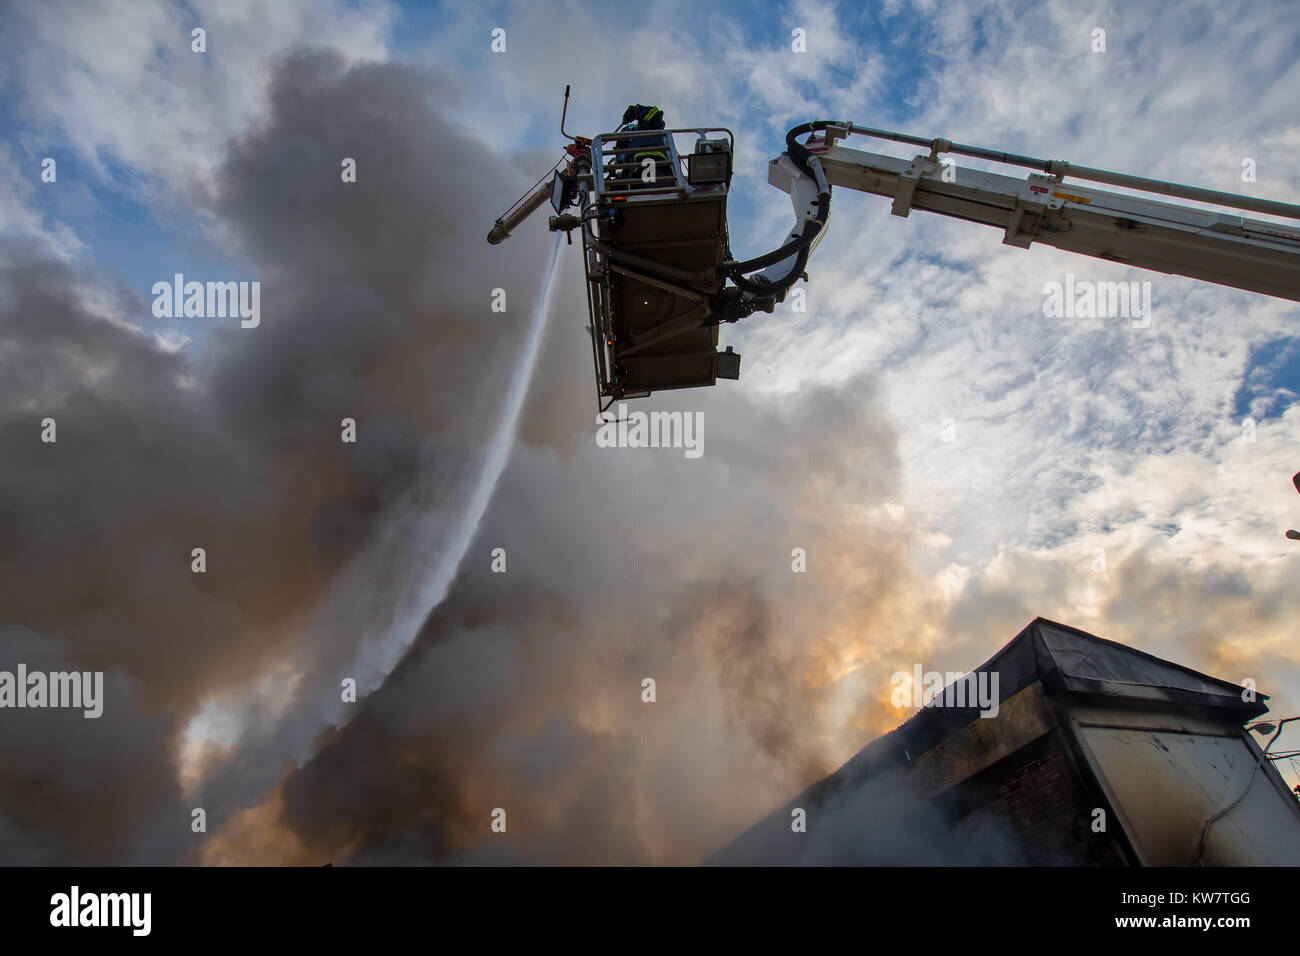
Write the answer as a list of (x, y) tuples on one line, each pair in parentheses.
[(638, 150)]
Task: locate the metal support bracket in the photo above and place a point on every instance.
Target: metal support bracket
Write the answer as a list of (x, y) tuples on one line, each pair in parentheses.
[(1035, 198), (907, 181)]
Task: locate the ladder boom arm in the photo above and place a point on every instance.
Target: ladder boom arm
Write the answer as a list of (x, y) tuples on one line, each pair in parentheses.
[(1163, 236)]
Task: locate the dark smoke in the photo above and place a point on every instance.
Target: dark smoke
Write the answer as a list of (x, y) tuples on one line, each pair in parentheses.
[(374, 308), (524, 689)]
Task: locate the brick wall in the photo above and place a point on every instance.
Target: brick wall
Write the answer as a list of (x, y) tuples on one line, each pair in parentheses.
[(1036, 796)]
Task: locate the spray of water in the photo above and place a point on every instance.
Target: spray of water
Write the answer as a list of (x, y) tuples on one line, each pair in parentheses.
[(494, 463), (378, 606)]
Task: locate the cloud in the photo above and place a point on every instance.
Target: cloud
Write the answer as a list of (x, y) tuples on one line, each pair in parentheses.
[(119, 84), (22, 221)]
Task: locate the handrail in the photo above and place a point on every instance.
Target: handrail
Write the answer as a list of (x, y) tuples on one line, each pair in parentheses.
[(602, 141)]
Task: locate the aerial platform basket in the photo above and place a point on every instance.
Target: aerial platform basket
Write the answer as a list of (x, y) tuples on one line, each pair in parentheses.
[(651, 208), (655, 240)]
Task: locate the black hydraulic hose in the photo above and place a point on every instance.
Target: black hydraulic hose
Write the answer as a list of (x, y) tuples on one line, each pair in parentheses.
[(800, 154), (774, 288), (803, 241)]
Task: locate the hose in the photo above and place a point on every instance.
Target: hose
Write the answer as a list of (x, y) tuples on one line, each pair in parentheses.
[(801, 156)]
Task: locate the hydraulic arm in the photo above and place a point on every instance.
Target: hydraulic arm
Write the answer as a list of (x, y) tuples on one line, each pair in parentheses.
[(1218, 247)]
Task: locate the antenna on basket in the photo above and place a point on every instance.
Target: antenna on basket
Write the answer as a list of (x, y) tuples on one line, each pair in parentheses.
[(564, 114)]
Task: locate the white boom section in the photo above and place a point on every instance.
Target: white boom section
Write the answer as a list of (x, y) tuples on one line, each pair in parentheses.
[(1182, 240), (783, 173)]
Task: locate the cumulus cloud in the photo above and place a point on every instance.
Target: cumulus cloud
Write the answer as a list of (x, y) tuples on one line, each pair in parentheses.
[(119, 84)]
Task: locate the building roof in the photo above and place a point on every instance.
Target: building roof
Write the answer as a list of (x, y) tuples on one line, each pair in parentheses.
[(1063, 660)]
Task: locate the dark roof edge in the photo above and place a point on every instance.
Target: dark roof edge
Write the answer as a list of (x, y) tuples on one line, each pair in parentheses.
[(1236, 688)]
